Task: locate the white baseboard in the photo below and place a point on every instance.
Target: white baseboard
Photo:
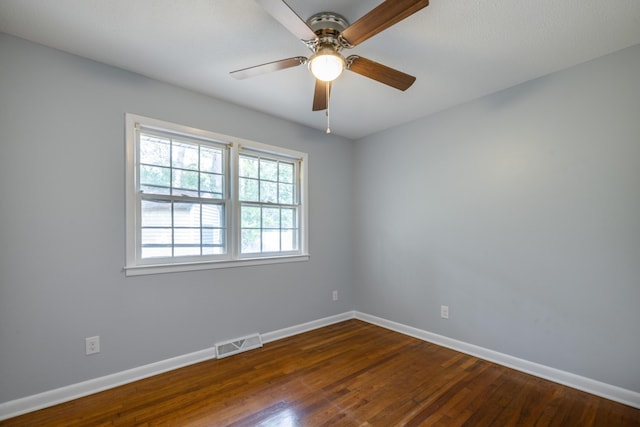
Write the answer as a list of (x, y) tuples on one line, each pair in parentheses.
[(64, 394), (21, 406), (578, 382), (305, 327), (27, 404)]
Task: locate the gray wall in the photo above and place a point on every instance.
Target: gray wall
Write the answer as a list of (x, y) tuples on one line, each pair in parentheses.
[(521, 212), (62, 228)]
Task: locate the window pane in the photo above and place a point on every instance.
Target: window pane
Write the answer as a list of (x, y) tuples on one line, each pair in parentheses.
[(285, 194), (212, 236), (248, 190), (268, 192), (156, 236), (287, 218), (186, 251), (248, 167), (250, 241), (250, 217), (271, 218), (268, 170), (211, 184), (154, 150), (186, 241), (185, 180), (155, 252), (289, 240), (270, 240), (156, 242), (186, 215), (186, 236), (154, 176), (285, 172), (211, 160), (155, 213), (212, 241), (184, 156), (212, 215)]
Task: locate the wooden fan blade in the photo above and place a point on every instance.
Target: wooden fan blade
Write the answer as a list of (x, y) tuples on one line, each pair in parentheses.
[(288, 18), (320, 95), (268, 67), (386, 14), (382, 73)]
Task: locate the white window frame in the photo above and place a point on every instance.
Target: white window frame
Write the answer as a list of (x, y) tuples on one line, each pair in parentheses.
[(135, 265)]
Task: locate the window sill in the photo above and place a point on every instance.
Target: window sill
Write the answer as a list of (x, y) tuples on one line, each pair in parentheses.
[(142, 270)]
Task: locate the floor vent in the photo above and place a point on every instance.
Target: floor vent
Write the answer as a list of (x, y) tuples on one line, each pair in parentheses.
[(238, 345)]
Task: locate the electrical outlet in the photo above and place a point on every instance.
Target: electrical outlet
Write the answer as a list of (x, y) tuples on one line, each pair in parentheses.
[(444, 311), (92, 345), (335, 295)]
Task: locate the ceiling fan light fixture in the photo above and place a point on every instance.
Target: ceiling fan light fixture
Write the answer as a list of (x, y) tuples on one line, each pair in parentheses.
[(326, 64)]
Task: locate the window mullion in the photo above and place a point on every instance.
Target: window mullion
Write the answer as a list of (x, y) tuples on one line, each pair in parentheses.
[(173, 215), (234, 227), (280, 229), (261, 229), (173, 230)]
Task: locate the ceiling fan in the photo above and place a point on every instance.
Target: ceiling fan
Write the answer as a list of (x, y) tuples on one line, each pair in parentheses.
[(326, 34)]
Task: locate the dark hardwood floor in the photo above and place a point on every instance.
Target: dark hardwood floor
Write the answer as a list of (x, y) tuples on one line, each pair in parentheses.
[(348, 374)]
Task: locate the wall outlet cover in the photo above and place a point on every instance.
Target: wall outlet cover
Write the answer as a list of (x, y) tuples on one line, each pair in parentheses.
[(444, 311)]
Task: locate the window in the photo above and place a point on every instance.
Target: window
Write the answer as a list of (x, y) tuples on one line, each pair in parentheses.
[(181, 193), (268, 204), (198, 200)]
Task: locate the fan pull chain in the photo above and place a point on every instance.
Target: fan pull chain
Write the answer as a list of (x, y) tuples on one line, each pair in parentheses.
[(328, 99)]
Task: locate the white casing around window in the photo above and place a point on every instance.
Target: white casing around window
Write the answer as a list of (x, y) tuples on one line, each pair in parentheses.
[(136, 266)]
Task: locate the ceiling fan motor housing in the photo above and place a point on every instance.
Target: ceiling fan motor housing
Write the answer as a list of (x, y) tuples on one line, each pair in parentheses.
[(327, 20), (327, 26)]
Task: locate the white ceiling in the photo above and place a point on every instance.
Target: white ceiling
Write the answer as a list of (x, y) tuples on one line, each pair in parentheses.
[(459, 50)]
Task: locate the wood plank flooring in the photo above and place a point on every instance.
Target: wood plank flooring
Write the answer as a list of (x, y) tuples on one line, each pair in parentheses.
[(348, 374)]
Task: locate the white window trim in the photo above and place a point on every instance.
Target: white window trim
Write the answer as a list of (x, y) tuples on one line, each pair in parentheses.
[(233, 259)]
